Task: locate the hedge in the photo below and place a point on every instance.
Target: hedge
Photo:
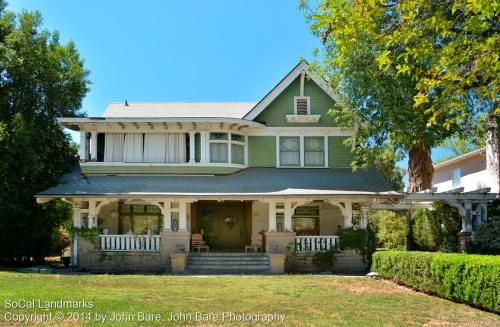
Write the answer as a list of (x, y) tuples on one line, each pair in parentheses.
[(467, 278)]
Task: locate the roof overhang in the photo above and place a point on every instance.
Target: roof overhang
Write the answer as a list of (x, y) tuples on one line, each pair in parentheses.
[(101, 123), (468, 155)]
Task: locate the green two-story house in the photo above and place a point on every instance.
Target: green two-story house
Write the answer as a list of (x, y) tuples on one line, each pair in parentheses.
[(153, 174)]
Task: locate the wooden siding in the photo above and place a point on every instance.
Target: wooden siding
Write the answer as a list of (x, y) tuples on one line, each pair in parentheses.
[(262, 151), (339, 154), (274, 114), (140, 169)]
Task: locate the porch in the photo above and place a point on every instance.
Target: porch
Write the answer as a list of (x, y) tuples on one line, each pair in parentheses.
[(135, 228)]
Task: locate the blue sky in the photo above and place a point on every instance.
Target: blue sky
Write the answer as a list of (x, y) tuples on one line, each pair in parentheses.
[(180, 50)]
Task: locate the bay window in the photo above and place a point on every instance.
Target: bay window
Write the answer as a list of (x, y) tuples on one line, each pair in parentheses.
[(227, 148)]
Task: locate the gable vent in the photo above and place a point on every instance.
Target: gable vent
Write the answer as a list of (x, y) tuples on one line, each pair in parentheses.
[(302, 105)]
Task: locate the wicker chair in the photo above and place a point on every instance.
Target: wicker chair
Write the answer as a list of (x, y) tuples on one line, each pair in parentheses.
[(255, 244), (198, 243)]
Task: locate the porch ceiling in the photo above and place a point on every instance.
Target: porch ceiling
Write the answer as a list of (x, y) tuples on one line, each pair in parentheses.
[(246, 183)]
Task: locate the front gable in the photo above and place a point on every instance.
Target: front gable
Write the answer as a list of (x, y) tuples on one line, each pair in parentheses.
[(279, 107), (274, 115)]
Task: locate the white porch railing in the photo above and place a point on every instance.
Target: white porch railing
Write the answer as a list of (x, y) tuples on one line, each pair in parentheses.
[(129, 242), (315, 243)]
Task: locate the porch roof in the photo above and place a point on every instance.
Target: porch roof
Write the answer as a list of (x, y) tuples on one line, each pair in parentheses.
[(265, 182)]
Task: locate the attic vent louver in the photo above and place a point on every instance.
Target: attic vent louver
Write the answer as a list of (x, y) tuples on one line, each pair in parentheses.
[(302, 105)]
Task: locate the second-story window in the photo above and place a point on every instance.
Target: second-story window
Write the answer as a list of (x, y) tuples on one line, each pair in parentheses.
[(289, 151), (227, 148), (457, 178), (218, 147), (302, 151)]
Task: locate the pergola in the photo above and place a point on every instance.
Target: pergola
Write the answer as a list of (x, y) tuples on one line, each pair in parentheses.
[(471, 205)]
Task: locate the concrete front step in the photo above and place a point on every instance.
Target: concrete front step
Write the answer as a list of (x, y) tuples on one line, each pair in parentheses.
[(228, 263)]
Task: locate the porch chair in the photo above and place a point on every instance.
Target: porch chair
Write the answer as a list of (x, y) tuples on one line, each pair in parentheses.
[(198, 243), (255, 243)]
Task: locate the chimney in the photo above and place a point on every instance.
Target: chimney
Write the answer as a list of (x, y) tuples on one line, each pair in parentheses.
[(492, 155)]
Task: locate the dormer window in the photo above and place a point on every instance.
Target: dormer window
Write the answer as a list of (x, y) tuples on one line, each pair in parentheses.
[(302, 105)]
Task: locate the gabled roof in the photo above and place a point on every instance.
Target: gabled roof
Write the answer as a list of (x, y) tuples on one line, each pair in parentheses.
[(246, 183), (285, 82), (178, 109), (468, 155)]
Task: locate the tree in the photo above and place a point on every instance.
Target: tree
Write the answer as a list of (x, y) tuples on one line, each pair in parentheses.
[(40, 80), (396, 64)]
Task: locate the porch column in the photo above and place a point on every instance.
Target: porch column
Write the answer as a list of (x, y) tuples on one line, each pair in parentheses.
[(183, 216), (348, 215), (203, 147), (93, 145), (272, 216), (192, 145), (167, 216), (288, 216), (92, 214), (83, 145), (77, 221), (363, 223), (467, 218)]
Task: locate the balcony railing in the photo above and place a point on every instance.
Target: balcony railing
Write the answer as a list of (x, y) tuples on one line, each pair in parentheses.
[(315, 243), (129, 242)]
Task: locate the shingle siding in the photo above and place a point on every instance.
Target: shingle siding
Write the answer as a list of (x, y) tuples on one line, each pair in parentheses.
[(339, 154), (262, 151), (321, 103)]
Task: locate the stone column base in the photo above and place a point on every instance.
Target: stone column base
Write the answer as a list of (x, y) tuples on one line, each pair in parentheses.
[(178, 262), (277, 242), (277, 263), (175, 242), (464, 239)]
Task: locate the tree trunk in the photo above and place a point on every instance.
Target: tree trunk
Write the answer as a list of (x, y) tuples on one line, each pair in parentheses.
[(420, 169)]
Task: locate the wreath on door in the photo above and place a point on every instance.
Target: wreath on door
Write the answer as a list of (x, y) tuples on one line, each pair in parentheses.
[(230, 221)]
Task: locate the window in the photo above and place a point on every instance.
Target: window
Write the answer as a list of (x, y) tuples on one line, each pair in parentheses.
[(305, 220), (302, 105), (139, 219), (302, 151), (457, 178), (289, 151), (237, 149), (314, 151), (219, 148)]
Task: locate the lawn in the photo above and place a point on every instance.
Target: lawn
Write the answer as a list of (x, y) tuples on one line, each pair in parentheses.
[(303, 299)]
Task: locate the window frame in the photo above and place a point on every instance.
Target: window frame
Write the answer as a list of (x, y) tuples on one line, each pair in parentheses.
[(229, 142), (302, 151), (454, 178)]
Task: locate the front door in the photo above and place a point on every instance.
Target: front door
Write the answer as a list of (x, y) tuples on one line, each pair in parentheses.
[(224, 225)]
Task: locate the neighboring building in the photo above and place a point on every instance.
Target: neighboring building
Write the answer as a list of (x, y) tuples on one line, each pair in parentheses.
[(152, 174), (468, 171)]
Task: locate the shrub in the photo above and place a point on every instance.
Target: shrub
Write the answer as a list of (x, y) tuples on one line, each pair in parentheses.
[(486, 239), (436, 230), (361, 240), (471, 279), (391, 229)]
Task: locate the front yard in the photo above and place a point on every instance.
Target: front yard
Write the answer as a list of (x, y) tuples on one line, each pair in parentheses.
[(304, 300)]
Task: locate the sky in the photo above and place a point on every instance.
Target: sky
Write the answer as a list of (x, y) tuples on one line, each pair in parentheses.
[(217, 50)]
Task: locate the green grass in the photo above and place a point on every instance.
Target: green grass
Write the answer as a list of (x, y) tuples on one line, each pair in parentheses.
[(304, 299)]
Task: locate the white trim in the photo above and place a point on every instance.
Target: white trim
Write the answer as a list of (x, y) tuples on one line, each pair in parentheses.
[(285, 82), (301, 150), (307, 131), (83, 145), (302, 118), (93, 145), (192, 146), (203, 147), (159, 164), (325, 145)]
